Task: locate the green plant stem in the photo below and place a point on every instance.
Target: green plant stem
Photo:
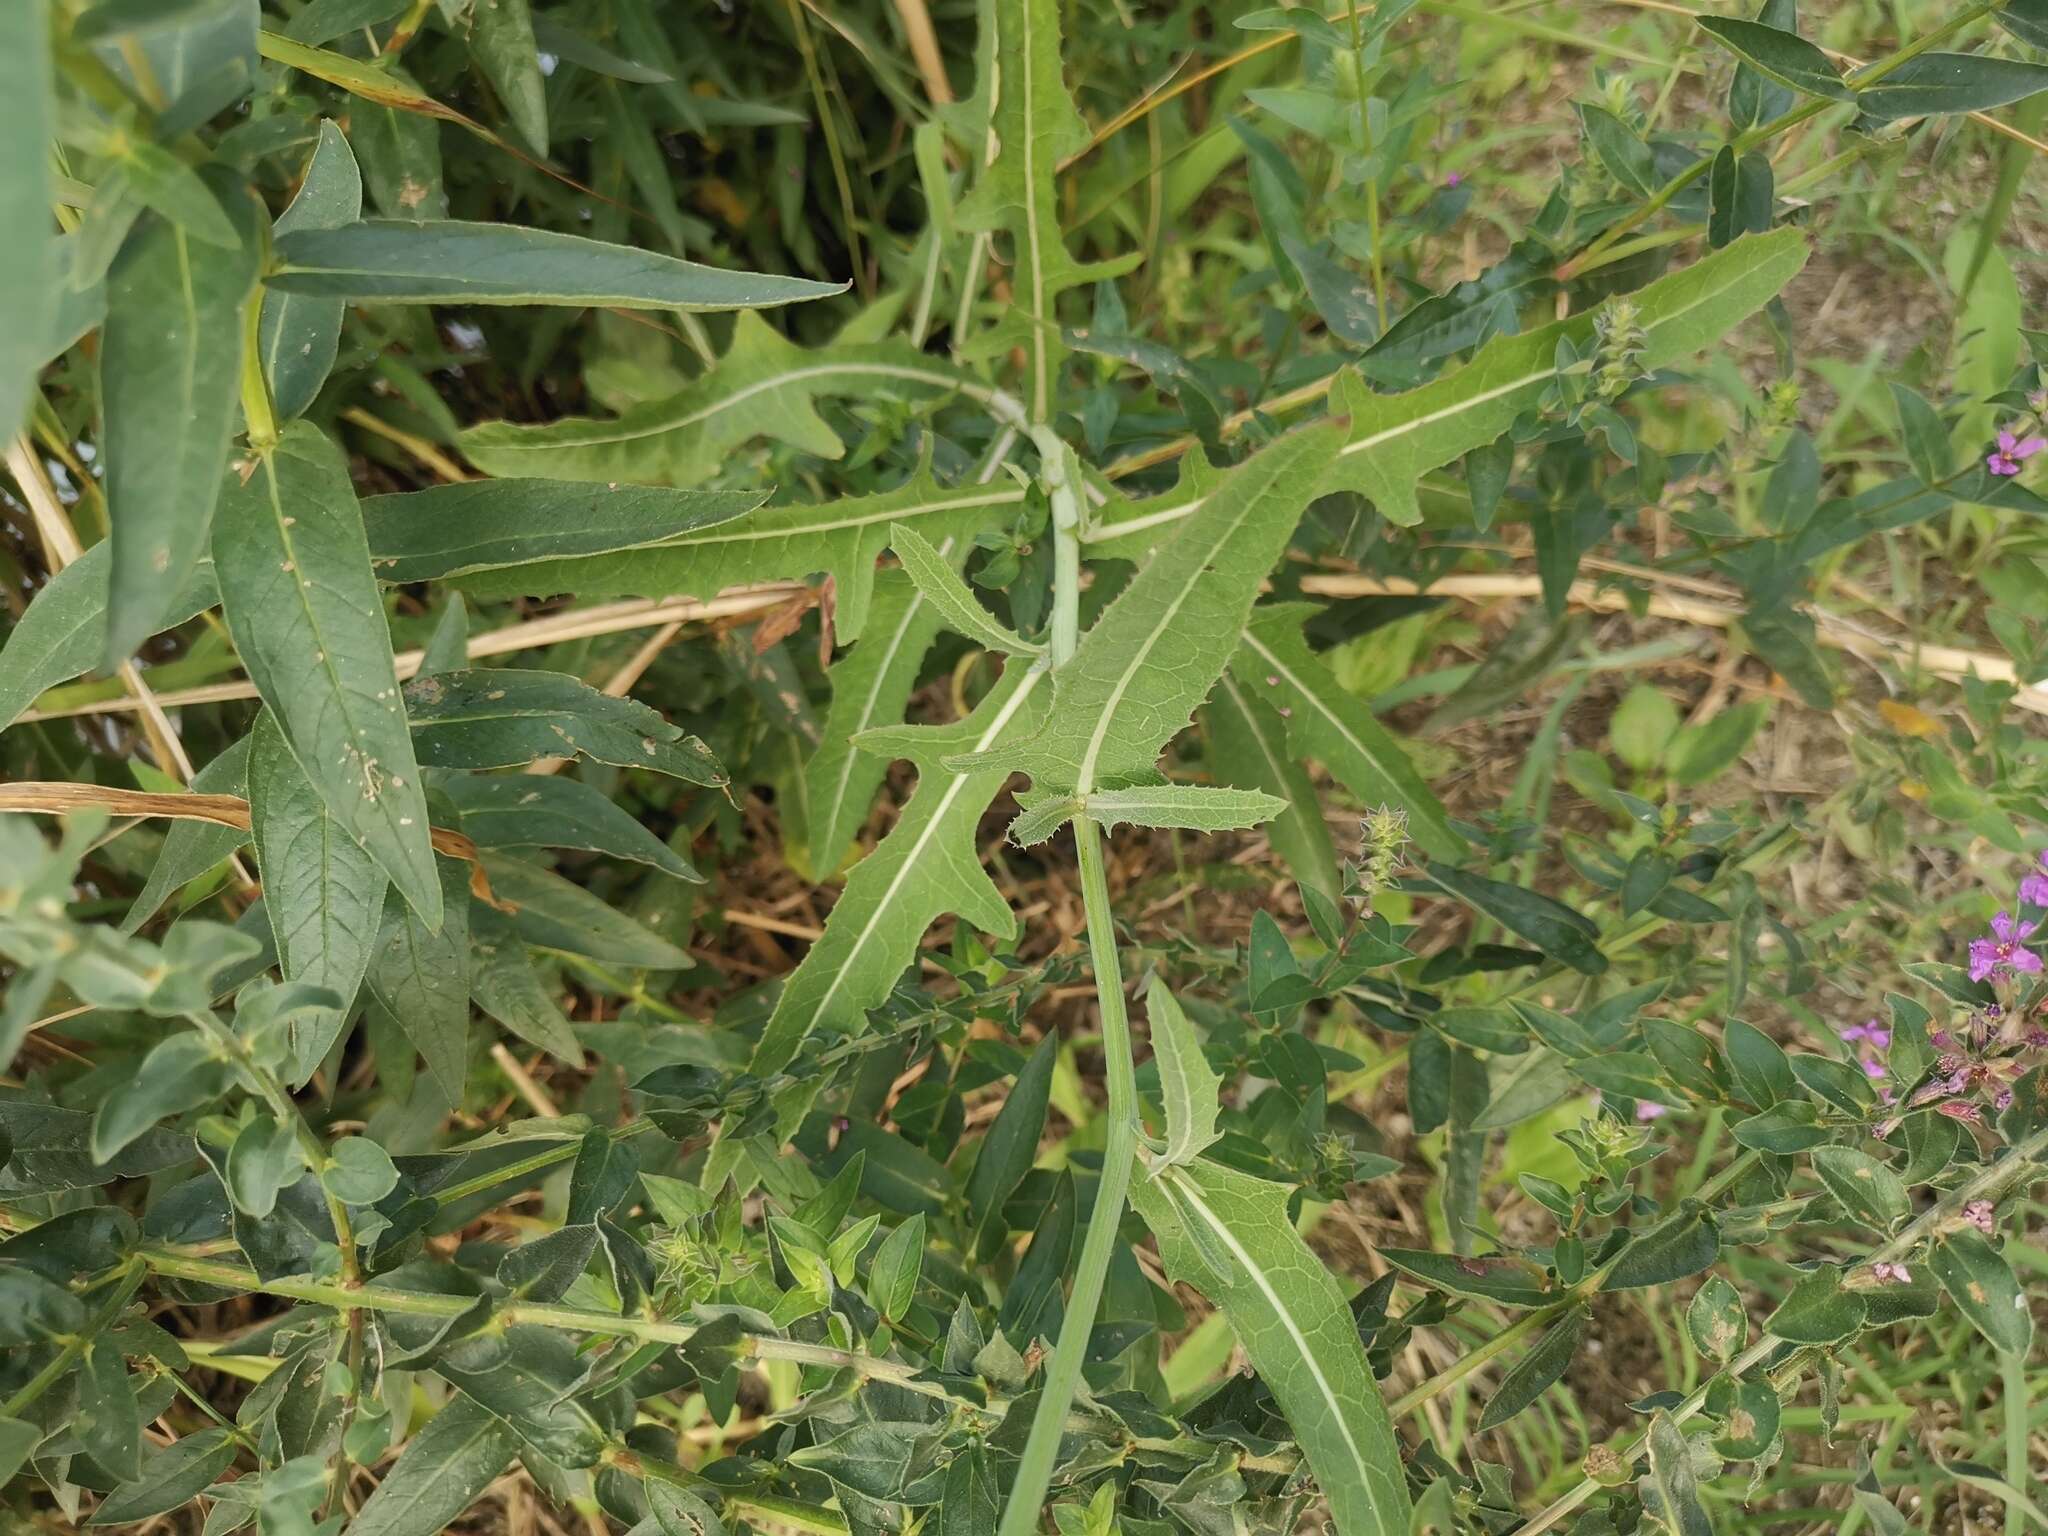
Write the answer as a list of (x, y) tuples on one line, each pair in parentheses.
[(407, 28), (2012, 1375), (1065, 630), (2012, 167), (1120, 1143), (789, 1512), (1536, 1321), (1986, 1183), (384, 1298), (257, 412), (287, 1113), (631, 991), (849, 220), (128, 1280), (373, 1297), (1869, 74), (1063, 1371)]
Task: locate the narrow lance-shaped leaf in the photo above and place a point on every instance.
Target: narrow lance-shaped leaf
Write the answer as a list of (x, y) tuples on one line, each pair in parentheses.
[(1192, 807), (1248, 748), (550, 811), (1325, 721), (170, 364), (843, 538), (400, 148), (323, 894), (1227, 1234), (1032, 126), (64, 632), (559, 914), (501, 39), (1932, 83), (1190, 1091), (501, 717), (308, 623), (420, 977), (1396, 439), (928, 865), (459, 1453), (939, 581), (444, 531), (2026, 20), (1010, 1146), (395, 261), (871, 686), (1778, 54), (170, 1477), (193, 847), (1549, 924), (506, 986), (1534, 1373), (28, 267), (764, 386), (300, 334), (1157, 650), (1753, 99), (484, 525)]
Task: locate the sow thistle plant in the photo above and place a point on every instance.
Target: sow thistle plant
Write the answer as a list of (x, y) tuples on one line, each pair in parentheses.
[(272, 1254)]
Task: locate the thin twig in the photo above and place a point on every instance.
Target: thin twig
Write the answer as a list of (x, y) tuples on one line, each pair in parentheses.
[(59, 798), (61, 547), (528, 634), (418, 447), (537, 1097), (1831, 629), (924, 48)]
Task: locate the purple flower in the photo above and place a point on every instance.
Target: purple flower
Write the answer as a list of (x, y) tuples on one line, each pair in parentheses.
[(2011, 453), (1872, 1030), (2034, 889), (1872, 1068), (1978, 1214), (1646, 1111), (1960, 1109), (1897, 1274), (2003, 953), (1453, 179)]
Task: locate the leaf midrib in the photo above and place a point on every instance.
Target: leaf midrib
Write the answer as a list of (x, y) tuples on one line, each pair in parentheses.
[(867, 709), (1186, 1189), (954, 787), (1085, 779), (1189, 508), (343, 697), (747, 392)]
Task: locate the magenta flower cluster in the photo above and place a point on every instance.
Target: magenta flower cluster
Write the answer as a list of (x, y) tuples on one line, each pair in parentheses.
[(2003, 952)]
